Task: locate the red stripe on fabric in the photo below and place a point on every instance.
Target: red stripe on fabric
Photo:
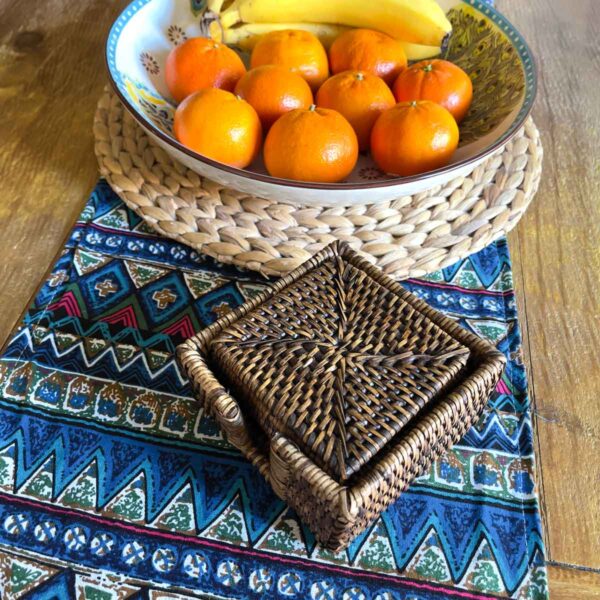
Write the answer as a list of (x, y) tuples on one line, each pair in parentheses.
[(69, 303), (445, 286), (125, 316)]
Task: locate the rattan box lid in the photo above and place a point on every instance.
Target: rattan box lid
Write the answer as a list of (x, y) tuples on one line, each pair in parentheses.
[(337, 363)]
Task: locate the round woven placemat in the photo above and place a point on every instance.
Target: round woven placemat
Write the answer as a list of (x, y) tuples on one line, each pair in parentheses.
[(407, 237)]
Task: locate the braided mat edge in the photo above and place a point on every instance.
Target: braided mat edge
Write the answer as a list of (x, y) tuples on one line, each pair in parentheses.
[(409, 236)]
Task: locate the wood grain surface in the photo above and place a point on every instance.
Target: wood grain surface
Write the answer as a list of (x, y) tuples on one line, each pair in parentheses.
[(556, 251), (51, 74), (567, 583)]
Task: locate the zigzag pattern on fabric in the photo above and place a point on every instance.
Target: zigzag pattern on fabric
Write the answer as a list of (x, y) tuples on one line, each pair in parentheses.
[(72, 450)]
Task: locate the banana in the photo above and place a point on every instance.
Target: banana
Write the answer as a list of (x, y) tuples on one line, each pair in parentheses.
[(418, 51), (246, 36), (215, 5), (416, 21)]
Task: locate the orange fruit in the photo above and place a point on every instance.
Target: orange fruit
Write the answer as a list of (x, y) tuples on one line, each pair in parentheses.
[(219, 125), (315, 144), (370, 51), (201, 63), (414, 137), (297, 50), (358, 96), (437, 80), (273, 90)]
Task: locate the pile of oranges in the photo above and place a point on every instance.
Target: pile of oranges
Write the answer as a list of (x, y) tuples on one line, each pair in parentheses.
[(314, 125)]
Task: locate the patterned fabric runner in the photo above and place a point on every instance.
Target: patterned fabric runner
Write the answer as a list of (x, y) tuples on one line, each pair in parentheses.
[(114, 484)]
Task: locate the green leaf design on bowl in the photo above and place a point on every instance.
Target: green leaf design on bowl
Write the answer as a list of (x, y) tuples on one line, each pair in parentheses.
[(493, 64)]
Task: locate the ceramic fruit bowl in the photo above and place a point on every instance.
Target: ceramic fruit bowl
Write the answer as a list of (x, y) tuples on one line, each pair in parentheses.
[(483, 43)]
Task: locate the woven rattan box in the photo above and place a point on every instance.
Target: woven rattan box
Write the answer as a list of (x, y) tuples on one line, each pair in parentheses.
[(341, 387)]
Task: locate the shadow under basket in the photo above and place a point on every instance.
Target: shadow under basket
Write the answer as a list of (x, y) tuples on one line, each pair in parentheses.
[(341, 387)]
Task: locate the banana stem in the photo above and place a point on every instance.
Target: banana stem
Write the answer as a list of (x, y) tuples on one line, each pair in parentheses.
[(215, 32)]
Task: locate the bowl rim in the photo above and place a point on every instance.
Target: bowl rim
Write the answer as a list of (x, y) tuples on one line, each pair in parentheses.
[(489, 11)]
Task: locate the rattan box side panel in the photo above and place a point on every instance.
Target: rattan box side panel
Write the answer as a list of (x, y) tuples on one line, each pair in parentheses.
[(337, 514), (321, 502), (219, 404), (412, 458)]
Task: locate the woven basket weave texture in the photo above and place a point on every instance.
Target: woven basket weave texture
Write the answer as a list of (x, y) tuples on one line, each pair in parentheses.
[(341, 387), (336, 364)]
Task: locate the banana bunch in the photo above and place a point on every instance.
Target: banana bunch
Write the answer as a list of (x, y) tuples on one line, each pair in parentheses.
[(246, 36), (421, 25)]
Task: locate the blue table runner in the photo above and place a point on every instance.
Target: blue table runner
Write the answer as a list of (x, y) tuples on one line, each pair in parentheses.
[(114, 484)]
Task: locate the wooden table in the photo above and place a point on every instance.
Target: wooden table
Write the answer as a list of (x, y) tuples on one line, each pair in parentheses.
[(51, 74)]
